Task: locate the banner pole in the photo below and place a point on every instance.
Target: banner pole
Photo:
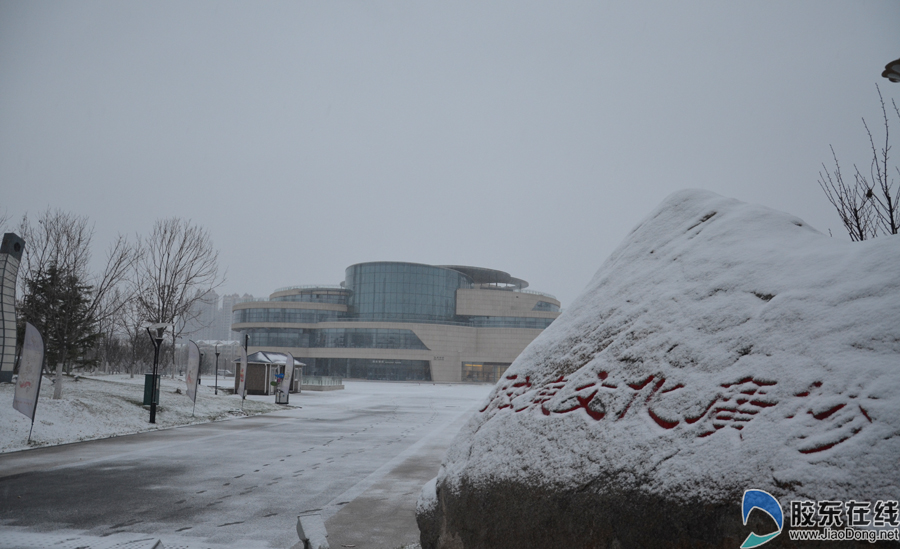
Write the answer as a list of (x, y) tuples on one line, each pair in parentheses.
[(192, 374), (242, 387), (34, 410)]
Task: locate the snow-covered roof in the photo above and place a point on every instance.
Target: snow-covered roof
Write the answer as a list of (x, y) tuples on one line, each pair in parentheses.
[(269, 357)]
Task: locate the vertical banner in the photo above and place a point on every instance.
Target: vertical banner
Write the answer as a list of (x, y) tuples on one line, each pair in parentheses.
[(285, 384), (193, 368), (243, 372), (28, 386)]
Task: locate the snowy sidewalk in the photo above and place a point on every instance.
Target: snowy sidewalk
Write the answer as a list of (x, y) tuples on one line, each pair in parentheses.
[(95, 407), (23, 539)]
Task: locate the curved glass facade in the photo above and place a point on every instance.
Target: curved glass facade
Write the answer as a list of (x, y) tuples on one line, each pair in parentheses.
[(306, 316), (336, 338), (338, 297), (508, 322), (546, 306), (389, 291)]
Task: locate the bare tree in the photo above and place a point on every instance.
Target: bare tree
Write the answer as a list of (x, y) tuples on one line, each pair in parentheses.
[(57, 259), (130, 323), (111, 349), (869, 205), (59, 238), (880, 185), (853, 206), (178, 266), (110, 294)]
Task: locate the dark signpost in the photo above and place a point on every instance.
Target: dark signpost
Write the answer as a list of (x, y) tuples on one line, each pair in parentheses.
[(156, 333), (217, 368)]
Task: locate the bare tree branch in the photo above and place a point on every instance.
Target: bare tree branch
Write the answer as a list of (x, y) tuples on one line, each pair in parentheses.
[(178, 266), (59, 238), (120, 261), (58, 250), (850, 201), (870, 204)]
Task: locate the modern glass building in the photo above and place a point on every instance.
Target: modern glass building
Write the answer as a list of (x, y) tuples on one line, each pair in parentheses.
[(401, 321)]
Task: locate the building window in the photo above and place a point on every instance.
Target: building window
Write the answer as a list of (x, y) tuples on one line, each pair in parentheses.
[(366, 368), (337, 297), (336, 338), (299, 316), (487, 372), (508, 322)]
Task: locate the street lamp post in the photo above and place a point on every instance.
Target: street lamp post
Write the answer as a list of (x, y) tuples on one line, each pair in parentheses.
[(217, 368), (200, 369), (156, 333)]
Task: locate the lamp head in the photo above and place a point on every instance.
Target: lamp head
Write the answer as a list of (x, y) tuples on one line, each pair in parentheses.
[(157, 331), (892, 71)]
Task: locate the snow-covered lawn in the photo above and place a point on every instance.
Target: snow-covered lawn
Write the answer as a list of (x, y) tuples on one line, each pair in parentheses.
[(109, 405)]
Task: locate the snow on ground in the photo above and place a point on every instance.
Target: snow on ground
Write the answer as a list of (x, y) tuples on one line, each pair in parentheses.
[(722, 346), (103, 406), (358, 455)]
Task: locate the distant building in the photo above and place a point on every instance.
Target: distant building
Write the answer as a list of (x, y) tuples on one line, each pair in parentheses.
[(402, 321), (209, 321), (224, 319), (200, 320)]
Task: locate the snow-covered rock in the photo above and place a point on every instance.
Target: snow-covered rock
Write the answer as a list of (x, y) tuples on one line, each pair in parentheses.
[(426, 517), (722, 347)]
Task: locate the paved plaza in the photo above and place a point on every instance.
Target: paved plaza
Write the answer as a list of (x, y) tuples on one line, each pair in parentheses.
[(359, 455)]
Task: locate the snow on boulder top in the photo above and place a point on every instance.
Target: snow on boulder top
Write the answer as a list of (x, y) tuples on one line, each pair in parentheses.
[(723, 346)]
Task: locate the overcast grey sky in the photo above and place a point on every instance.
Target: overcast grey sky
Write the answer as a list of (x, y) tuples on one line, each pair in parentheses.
[(522, 136)]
